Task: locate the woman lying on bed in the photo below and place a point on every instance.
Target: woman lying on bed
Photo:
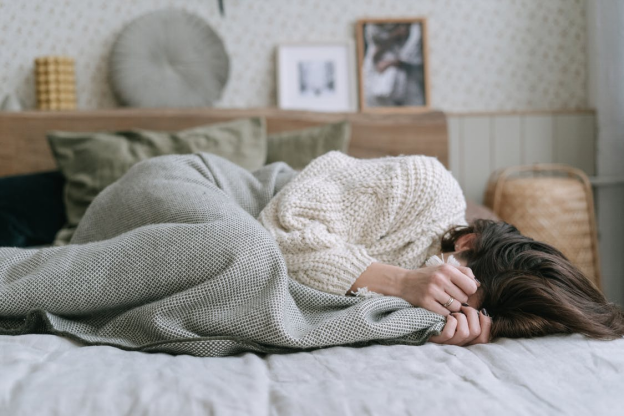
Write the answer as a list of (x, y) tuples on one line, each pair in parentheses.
[(172, 258), (350, 226)]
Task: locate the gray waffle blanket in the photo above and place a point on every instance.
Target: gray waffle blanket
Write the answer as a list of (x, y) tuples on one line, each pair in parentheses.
[(170, 258)]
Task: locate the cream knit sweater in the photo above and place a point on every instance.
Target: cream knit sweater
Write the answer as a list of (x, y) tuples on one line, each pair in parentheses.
[(340, 214)]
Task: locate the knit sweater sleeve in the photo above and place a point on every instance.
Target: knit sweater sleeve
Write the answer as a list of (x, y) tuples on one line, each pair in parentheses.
[(322, 218), (340, 214)]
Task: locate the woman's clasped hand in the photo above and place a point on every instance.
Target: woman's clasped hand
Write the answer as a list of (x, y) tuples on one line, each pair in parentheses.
[(445, 289), (441, 289), (448, 290), (467, 327)]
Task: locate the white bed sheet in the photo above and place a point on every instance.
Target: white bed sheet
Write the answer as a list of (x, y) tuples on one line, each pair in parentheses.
[(567, 375)]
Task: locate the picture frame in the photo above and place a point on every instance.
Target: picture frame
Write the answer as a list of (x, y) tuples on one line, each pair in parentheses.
[(317, 76), (393, 65)]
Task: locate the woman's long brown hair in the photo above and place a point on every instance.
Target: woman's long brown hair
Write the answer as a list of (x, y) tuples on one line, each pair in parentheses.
[(530, 288)]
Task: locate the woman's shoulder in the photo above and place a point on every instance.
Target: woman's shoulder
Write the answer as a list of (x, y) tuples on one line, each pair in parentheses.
[(337, 157), (337, 165)]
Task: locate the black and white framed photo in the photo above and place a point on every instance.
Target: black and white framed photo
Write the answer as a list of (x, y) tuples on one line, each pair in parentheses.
[(393, 65), (316, 77)]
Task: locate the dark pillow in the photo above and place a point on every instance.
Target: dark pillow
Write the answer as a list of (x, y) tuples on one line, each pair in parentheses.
[(31, 209)]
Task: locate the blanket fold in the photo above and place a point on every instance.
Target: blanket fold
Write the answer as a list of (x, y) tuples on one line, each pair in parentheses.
[(171, 258)]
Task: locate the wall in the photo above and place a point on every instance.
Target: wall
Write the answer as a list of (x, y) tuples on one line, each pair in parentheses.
[(482, 143), (485, 55), (606, 70)]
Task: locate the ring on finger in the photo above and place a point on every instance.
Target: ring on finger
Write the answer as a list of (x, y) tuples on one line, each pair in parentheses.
[(449, 302)]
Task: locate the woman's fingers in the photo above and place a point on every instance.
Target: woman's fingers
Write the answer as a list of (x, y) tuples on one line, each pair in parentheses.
[(435, 307), (474, 325), (451, 290), (443, 298), (465, 283), (462, 331), (447, 332), (468, 272), (486, 325), (448, 281), (468, 327), (449, 278), (433, 287)]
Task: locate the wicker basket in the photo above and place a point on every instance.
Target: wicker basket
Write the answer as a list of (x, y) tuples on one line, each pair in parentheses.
[(550, 203)]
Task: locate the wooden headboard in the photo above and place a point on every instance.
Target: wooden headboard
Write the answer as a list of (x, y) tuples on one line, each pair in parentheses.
[(24, 147)]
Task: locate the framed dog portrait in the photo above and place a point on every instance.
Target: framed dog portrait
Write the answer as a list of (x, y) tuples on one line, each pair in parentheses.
[(393, 65), (316, 77)]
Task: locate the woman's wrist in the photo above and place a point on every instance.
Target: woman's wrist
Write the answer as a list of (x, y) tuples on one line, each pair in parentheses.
[(381, 278)]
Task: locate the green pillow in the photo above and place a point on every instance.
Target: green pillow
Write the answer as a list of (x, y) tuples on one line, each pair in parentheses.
[(298, 148), (92, 161)]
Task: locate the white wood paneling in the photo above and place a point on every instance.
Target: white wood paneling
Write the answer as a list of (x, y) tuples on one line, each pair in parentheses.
[(537, 139), (575, 140), (455, 158), (482, 143), (605, 20), (476, 150), (506, 141), (609, 203)]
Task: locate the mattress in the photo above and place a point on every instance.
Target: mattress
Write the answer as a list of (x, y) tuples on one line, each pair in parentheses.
[(566, 375)]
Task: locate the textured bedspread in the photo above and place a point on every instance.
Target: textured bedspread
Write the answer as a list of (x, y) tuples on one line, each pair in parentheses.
[(171, 259), (559, 375)]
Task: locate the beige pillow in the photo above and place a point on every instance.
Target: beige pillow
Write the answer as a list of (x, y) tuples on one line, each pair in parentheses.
[(92, 161), (298, 148)]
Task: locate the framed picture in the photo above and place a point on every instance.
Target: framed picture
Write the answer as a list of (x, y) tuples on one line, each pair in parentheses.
[(316, 76), (393, 65)]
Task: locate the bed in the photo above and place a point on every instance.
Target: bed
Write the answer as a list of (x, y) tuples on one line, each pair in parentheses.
[(47, 374)]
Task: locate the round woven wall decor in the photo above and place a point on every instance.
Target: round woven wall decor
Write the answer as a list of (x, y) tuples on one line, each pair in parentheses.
[(168, 58)]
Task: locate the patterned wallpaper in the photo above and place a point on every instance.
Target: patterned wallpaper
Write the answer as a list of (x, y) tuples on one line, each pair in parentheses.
[(485, 55)]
